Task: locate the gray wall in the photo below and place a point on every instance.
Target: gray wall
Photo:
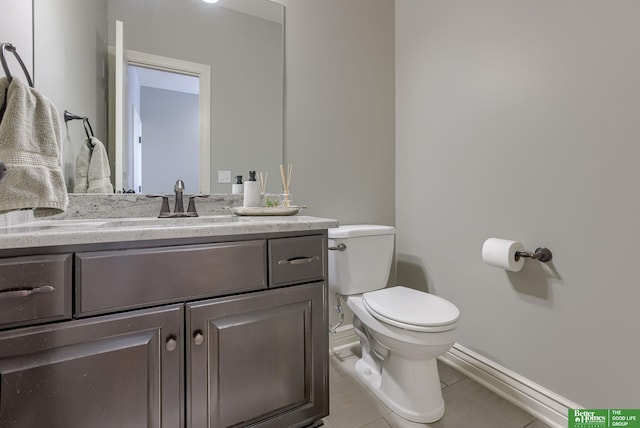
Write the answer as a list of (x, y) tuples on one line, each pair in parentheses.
[(519, 120), (339, 108)]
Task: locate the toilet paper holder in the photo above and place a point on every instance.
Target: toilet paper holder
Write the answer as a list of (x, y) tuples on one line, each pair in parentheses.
[(541, 254)]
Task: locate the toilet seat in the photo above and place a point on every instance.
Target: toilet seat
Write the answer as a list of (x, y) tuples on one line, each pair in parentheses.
[(411, 309)]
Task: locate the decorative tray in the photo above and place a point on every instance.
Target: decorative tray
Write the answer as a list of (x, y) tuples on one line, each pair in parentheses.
[(254, 211)]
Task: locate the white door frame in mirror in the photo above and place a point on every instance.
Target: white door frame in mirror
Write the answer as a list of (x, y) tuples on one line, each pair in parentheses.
[(119, 97), (203, 73)]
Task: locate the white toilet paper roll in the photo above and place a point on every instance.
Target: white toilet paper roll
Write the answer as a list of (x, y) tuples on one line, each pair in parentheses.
[(502, 253)]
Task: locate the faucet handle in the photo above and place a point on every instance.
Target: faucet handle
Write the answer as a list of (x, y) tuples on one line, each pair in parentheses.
[(192, 203), (164, 209)]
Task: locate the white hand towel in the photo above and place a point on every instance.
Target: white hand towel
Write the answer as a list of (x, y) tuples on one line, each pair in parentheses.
[(30, 146), (93, 174), (82, 168), (99, 173)]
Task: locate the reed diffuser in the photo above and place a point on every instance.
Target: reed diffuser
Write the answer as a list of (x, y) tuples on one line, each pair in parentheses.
[(262, 179), (285, 198)]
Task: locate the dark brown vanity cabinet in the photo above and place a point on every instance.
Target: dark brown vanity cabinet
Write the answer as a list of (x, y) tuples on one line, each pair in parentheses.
[(222, 334), (257, 359), (112, 371)]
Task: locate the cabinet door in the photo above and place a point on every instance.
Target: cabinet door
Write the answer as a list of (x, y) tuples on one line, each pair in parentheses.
[(258, 360), (111, 371)]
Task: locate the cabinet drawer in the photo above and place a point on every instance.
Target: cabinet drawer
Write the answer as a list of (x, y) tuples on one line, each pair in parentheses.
[(109, 280), (34, 289), (296, 260)]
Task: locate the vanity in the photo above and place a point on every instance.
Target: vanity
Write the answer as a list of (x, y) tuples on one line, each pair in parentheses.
[(218, 322)]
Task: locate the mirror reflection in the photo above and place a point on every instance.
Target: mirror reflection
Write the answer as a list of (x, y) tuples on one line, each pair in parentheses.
[(167, 103), (222, 109)]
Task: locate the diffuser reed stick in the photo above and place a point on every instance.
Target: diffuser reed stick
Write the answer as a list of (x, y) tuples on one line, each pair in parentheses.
[(262, 178), (286, 178), (286, 183)]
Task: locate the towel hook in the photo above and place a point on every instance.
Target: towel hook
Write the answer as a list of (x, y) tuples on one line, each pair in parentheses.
[(11, 48)]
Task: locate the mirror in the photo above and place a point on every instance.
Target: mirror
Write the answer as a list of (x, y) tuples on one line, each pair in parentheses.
[(240, 42)]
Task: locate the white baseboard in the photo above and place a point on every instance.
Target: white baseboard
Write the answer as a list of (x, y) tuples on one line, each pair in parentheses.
[(343, 336), (540, 402), (535, 399)]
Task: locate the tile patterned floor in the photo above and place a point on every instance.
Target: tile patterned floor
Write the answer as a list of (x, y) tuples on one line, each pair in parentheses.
[(468, 405)]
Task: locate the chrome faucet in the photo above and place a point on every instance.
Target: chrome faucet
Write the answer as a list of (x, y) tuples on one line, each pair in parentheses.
[(178, 209)]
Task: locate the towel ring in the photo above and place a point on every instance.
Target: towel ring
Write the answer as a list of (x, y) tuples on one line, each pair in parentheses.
[(11, 48), (86, 124)]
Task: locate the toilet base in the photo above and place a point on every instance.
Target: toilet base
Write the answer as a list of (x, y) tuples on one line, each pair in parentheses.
[(410, 388)]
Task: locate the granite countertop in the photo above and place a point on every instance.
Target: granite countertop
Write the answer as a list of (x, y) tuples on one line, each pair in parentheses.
[(89, 231)]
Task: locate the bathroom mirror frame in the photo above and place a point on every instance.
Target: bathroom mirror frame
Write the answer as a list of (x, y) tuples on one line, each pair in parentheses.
[(250, 146)]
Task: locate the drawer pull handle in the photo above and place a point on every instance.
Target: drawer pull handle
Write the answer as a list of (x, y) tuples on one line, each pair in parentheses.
[(24, 292), (299, 260), (339, 247)]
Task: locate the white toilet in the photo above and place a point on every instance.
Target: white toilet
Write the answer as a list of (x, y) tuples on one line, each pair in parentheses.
[(401, 330)]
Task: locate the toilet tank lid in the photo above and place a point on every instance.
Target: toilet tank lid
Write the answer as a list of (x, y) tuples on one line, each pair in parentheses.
[(353, 230)]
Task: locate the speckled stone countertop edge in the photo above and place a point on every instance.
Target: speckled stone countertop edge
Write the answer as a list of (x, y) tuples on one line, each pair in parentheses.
[(46, 233)]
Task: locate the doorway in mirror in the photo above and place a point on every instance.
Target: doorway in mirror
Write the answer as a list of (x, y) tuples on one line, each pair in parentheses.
[(163, 140), (171, 99)]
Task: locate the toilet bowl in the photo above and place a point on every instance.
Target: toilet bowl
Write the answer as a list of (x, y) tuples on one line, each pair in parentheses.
[(401, 331)]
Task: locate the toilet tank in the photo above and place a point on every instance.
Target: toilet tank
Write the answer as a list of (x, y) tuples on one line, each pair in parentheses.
[(365, 263)]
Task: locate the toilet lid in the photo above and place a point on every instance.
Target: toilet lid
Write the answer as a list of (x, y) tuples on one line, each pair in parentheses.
[(407, 308)]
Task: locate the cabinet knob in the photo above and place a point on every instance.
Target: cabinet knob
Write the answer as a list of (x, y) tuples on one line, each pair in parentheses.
[(171, 344), (198, 337)]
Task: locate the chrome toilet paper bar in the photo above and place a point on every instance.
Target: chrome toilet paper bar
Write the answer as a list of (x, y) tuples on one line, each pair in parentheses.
[(541, 254)]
